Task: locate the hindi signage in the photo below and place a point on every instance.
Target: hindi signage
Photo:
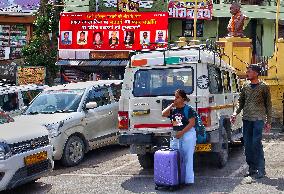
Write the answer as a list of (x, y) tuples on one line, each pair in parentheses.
[(112, 30), (185, 9), (30, 75)]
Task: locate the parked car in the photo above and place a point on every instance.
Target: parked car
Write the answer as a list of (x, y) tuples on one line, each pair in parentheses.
[(79, 117), (13, 99), (25, 153)]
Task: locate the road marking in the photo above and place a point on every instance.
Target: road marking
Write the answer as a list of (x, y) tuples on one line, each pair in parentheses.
[(120, 167), (244, 166)]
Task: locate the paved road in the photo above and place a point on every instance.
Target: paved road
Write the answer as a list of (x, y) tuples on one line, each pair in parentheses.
[(113, 170)]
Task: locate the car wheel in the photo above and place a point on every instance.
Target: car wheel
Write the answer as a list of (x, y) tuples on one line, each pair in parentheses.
[(223, 155), (74, 151), (146, 160)]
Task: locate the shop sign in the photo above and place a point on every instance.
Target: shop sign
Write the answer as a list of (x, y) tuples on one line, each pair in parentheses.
[(127, 6), (109, 55), (185, 9), (19, 6), (112, 30), (146, 4), (30, 75)]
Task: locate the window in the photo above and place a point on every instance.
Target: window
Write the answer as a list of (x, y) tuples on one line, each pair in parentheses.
[(188, 28), (215, 80), (116, 91), (162, 82), (226, 82), (12, 39), (100, 96), (28, 96), (9, 102)]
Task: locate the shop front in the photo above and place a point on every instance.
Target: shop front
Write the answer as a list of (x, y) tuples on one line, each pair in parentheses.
[(100, 65)]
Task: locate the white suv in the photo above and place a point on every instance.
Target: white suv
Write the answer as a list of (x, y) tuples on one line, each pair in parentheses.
[(79, 117), (25, 153)]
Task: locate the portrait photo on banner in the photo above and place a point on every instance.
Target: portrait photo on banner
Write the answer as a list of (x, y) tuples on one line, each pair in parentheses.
[(98, 38), (129, 38), (144, 37), (82, 37), (66, 37), (113, 37), (160, 36)]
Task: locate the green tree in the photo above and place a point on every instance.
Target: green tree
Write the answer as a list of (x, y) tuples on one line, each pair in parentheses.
[(42, 49)]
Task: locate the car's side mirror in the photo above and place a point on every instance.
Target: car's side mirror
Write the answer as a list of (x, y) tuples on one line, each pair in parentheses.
[(91, 105)]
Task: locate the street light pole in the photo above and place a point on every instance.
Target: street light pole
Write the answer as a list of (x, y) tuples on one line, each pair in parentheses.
[(195, 19)]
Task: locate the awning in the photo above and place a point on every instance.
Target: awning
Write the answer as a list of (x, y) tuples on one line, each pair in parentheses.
[(117, 62)]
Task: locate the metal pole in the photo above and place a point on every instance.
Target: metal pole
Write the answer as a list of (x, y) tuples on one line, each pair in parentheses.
[(195, 19)]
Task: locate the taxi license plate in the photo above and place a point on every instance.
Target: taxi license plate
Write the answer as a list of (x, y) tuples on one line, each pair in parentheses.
[(35, 158), (203, 148)]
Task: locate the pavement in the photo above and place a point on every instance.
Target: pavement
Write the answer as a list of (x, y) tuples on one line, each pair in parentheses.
[(113, 170)]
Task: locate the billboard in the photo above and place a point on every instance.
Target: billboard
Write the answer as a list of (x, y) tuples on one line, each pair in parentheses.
[(19, 6), (127, 6), (185, 9), (112, 30)]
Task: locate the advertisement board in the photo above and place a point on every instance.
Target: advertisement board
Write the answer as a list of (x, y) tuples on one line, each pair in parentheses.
[(22, 6), (127, 5), (112, 30), (185, 9), (30, 75)]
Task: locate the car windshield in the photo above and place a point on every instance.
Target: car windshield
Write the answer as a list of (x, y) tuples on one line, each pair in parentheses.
[(162, 82), (56, 101)]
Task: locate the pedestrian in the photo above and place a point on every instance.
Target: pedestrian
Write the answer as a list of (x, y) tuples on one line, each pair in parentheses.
[(185, 131), (255, 101)]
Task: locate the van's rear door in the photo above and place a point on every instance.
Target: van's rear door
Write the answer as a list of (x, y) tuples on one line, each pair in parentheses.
[(153, 90)]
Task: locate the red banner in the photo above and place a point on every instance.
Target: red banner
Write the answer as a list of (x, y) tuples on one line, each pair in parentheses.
[(112, 30)]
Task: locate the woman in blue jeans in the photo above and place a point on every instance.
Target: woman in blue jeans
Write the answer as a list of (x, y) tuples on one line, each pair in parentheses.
[(185, 136)]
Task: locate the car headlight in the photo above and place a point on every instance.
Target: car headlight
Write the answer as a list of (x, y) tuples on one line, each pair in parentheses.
[(53, 128), (5, 151)]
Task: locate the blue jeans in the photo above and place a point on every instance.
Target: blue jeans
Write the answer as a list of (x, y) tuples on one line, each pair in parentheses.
[(186, 145), (252, 132)]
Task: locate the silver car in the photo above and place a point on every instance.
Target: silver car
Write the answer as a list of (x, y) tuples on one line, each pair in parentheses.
[(79, 117)]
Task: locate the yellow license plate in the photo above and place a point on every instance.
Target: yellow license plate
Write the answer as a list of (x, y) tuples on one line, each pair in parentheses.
[(203, 148), (35, 158)]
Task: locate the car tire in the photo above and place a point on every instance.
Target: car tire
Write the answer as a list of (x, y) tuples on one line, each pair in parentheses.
[(223, 155), (146, 160), (73, 152)]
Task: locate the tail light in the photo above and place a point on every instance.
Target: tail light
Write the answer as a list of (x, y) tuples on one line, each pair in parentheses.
[(205, 115), (123, 120)]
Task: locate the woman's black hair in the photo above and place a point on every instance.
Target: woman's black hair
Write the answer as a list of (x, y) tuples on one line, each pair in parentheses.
[(182, 94)]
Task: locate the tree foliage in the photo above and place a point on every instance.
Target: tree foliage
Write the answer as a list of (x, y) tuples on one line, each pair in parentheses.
[(42, 49)]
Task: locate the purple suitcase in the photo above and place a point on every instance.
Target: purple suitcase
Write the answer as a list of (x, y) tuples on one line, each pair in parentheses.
[(169, 169)]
